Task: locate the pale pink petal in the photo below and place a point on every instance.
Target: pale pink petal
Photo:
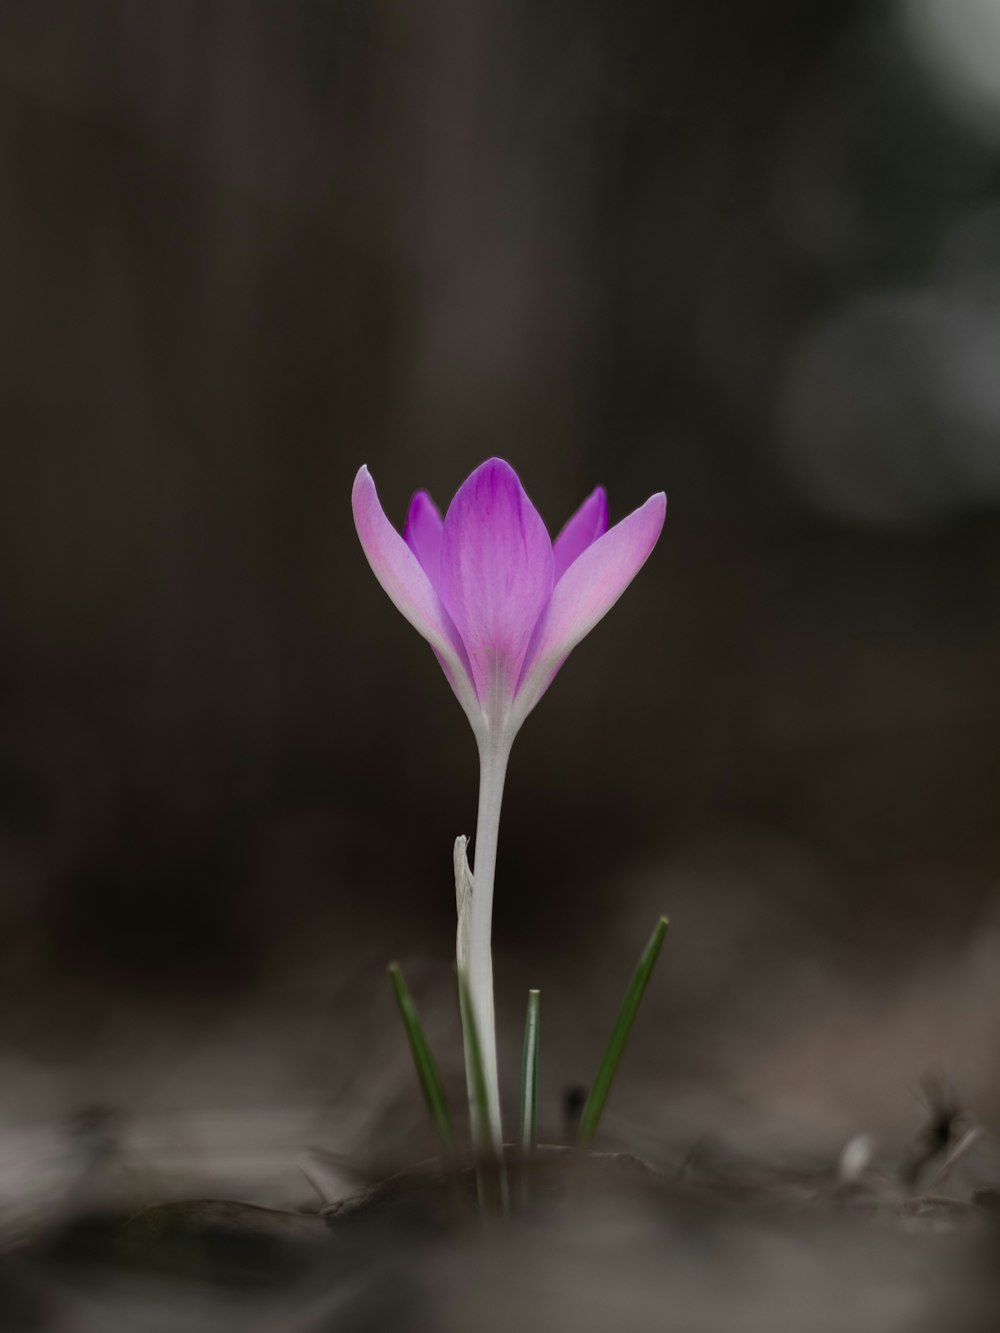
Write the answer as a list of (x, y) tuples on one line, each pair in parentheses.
[(422, 533), (496, 577), (587, 592), (410, 590), (588, 523)]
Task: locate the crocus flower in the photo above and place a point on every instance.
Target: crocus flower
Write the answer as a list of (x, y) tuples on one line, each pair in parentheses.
[(502, 606)]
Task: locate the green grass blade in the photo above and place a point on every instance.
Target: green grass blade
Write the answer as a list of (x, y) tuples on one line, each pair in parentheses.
[(491, 1176), (479, 1107), (528, 1135), (430, 1082), (594, 1108)]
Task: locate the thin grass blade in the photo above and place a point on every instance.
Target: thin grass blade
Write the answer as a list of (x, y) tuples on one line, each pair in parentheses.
[(528, 1120), (491, 1176), (478, 1102), (528, 1124), (594, 1108), (430, 1082)]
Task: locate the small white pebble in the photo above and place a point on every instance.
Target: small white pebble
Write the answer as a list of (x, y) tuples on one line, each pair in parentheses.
[(855, 1158)]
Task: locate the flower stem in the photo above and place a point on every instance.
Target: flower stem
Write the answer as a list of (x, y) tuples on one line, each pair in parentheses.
[(492, 770)]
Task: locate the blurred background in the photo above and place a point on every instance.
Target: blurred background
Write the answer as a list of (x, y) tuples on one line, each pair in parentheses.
[(745, 253)]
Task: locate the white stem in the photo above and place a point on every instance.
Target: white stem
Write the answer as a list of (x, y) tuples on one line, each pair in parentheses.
[(492, 770)]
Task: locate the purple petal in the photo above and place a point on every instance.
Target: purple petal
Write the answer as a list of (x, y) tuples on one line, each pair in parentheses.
[(422, 533), (587, 592), (496, 577), (410, 590), (588, 523)]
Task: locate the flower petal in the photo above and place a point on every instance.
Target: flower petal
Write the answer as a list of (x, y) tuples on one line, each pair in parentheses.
[(422, 533), (587, 592), (588, 523), (496, 577), (410, 590)]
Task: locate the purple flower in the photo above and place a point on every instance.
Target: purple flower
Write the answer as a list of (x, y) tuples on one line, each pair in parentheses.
[(499, 602), (503, 607)]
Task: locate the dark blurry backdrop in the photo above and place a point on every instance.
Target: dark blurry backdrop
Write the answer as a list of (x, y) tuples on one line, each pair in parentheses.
[(745, 252)]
